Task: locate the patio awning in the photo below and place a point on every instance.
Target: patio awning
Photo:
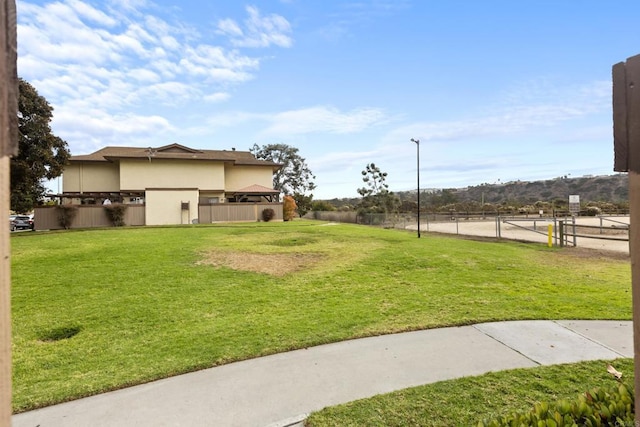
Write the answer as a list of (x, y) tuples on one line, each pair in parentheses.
[(256, 190)]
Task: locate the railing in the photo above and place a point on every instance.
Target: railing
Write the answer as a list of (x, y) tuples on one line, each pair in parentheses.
[(565, 229), (517, 221), (573, 230)]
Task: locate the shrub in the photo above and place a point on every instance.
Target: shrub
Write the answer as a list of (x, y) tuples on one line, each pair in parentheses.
[(66, 214), (592, 211), (303, 203), (322, 205), (288, 208), (598, 407), (268, 214), (115, 213)]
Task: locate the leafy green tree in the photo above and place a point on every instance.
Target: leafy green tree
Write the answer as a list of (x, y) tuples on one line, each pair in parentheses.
[(294, 178), (376, 197), (322, 205), (438, 199), (303, 203), (375, 181), (41, 155), (408, 206)]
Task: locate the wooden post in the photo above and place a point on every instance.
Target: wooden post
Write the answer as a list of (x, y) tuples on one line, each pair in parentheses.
[(626, 142), (561, 233), (8, 147), (5, 303), (634, 251)]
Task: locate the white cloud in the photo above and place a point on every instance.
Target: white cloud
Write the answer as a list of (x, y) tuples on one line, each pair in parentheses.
[(123, 61), (502, 141), (260, 31), (233, 118), (95, 120), (129, 5), (170, 43), (217, 97), (168, 93), (218, 64), (229, 27), (89, 12), (144, 75), (93, 129), (312, 120), (167, 69), (343, 160), (525, 109), (59, 34), (323, 119)]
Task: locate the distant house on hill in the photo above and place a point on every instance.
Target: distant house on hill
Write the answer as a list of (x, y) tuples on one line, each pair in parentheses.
[(176, 184)]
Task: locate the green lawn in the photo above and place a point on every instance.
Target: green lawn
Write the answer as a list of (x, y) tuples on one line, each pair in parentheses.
[(466, 401), (144, 303)]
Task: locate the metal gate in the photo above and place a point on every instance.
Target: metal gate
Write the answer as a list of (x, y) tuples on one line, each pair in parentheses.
[(517, 222), (569, 231)]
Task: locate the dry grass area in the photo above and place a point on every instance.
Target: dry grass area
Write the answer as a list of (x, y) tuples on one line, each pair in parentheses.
[(588, 253), (272, 264)]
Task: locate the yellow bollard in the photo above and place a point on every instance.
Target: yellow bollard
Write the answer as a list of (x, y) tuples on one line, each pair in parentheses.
[(550, 235)]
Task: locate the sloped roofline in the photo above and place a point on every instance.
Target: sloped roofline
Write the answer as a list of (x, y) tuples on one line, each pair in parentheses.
[(178, 146), (173, 152), (255, 189)]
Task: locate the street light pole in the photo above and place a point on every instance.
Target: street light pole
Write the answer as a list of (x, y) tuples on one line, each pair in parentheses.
[(417, 141)]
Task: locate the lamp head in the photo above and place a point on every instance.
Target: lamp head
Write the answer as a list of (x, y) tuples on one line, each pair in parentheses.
[(417, 141)]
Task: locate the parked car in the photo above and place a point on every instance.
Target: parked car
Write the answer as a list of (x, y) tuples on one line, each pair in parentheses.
[(20, 222)]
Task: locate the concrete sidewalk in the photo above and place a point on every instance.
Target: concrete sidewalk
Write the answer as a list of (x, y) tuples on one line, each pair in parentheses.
[(280, 390)]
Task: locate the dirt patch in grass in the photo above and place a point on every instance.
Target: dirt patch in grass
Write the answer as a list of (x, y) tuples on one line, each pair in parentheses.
[(58, 334), (273, 264)]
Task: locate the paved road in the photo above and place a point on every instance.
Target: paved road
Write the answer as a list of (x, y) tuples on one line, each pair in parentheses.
[(281, 389)]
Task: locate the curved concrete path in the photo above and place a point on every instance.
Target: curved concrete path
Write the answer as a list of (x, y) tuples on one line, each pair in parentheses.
[(280, 390)]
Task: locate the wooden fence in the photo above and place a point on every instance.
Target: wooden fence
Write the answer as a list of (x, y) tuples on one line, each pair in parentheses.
[(237, 212), (90, 216)]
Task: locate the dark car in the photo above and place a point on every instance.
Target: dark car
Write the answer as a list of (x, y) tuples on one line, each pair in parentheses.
[(21, 222)]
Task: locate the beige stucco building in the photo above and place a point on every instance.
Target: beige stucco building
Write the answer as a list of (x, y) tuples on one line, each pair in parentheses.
[(171, 181)]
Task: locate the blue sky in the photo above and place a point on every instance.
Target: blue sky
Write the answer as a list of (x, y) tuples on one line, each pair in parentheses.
[(495, 90)]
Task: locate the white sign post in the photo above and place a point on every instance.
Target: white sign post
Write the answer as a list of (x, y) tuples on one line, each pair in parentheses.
[(574, 204)]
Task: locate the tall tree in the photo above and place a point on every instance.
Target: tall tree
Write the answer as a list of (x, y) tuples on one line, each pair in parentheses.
[(41, 154), (375, 181), (294, 178), (376, 196)]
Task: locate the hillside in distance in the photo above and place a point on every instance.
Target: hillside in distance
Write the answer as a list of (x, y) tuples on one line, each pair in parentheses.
[(603, 188)]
